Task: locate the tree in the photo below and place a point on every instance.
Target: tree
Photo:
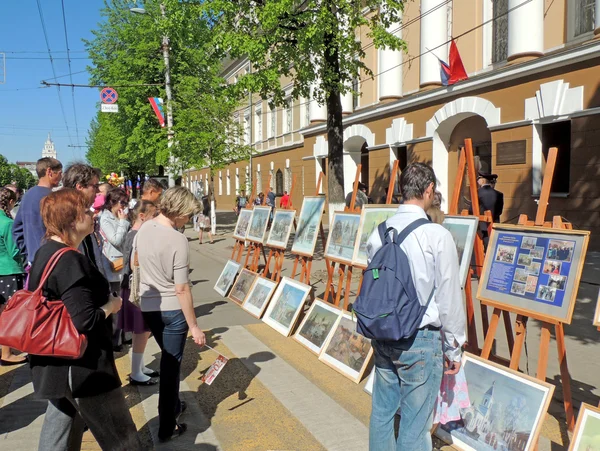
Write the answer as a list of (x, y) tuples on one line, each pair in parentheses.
[(314, 43), (11, 173)]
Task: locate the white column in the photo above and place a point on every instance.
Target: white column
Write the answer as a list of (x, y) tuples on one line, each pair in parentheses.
[(525, 28), (318, 113), (597, 19), (347, 103), (434, 33), (390, 68)]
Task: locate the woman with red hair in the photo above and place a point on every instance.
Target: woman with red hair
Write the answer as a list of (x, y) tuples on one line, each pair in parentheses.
[(84, 391)]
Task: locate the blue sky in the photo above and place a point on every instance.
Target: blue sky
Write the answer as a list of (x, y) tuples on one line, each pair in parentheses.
[(27, 115)]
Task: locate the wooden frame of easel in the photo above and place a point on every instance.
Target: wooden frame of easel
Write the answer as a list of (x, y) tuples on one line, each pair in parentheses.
[(255, 248), (277, 254), (466, 163), (521, 321), (305, 261)]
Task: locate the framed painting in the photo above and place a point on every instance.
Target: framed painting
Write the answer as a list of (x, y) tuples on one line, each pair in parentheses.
[(281, 227), (258, 224), (241, 227), (259, 295), (286, 304), (506, 412), (227, 277), (346, 351), (307, 228), (370, 218), (533, 271), (463, 230), (317, 325), (597, 314), (587, 430), (342, 237), (242, 285)]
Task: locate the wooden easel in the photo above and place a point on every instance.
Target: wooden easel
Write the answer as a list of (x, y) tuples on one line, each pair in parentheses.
[(277, 254), (466, 162), (521, 321), (305, 261), (344, 270), (240, 245)]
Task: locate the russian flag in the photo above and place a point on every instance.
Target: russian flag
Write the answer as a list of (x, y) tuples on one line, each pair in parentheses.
[(156, 103), (455, 71)]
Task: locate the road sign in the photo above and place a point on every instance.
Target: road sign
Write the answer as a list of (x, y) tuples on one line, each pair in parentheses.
[(109, 108), (109, 95)]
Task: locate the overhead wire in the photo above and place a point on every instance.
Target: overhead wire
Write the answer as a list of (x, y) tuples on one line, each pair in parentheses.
[(62, 108), (64, 17)]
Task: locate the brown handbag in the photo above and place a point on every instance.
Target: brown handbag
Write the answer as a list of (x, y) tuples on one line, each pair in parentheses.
[(38, 326), (117, 265)]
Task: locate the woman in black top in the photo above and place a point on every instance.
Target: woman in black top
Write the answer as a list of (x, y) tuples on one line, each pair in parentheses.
[(86, 390)]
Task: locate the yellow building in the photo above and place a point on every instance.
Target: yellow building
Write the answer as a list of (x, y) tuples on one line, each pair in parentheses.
[(533, 84)]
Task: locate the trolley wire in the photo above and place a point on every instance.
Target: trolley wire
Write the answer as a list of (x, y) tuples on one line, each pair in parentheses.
[(64, 17)]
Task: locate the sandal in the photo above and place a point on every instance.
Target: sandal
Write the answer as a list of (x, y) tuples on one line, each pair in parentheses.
[(177, 432)]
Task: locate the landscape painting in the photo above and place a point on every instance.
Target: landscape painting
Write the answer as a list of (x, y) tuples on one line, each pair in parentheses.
[(307, 229), (506, 412), (346, 351), (258, 224), (342, 237), (370, 218), (463, 230), (281, 228), (241, 228), (285, 307), (242, 286), (227, 277), (258, 297), (587, 431), (317, 325)]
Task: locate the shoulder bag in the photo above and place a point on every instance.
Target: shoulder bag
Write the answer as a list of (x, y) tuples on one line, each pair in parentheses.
[(134, 277), (33, 324)]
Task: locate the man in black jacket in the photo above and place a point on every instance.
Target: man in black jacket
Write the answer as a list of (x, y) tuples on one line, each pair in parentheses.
[(489, 199)]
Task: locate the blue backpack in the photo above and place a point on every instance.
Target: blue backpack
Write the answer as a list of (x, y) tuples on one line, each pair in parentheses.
[(388, 308)]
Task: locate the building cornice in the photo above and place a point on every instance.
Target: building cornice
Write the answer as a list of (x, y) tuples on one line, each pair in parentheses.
[(485, 80)]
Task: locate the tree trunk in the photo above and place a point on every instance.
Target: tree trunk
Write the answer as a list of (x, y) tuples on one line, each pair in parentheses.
[(335, 130), (213, 204)]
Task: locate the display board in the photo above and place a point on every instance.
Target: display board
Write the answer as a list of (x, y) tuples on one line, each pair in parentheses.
[(286, 305), (243, 221), (258, 224), (317, 325), (342, 237), (259, 295), (281, 228), (370, 218), (463, 230), (307, 229), (227, 277), (534, 271), (242, 285)]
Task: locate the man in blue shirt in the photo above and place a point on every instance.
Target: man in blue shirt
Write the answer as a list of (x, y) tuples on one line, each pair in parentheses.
[(28, 228)]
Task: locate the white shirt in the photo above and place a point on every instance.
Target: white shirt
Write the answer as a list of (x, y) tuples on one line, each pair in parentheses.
[(433, 263)]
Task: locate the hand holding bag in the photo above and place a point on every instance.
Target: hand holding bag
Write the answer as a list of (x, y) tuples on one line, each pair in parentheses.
[(38, 326)]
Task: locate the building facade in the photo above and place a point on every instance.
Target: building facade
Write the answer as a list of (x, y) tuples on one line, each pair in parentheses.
[(533, 84), (49, 151)]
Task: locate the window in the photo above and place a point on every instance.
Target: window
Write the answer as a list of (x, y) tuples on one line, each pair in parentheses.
[(402, 156), (236, 128), (307, 112), (356, 93), (258, 126), (287, 115), (247, 183), (237, 181), (279, 183), (247, 128), (206, 184), (228, 183), (483, 156), (500, 31), (304, 119), (220, 183), (581, 14), (288, 180), (558, 134), (272, 121), (258, 182)]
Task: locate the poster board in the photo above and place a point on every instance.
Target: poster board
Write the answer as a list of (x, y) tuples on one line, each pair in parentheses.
[(242, 286), (259, 295), (281, 228), (463, 230), (258, 224), (587, 431), (533, 271), (227, 277), (286, 305), (370, 218), (307, 229), (342, 237), (243, 222), (317, 325), (516, 401)]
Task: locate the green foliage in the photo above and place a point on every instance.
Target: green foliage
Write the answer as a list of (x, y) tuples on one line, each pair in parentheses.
[(11, 173), (126, 50)]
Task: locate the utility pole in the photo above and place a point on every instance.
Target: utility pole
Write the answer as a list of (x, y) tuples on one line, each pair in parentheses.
[(165, 50)]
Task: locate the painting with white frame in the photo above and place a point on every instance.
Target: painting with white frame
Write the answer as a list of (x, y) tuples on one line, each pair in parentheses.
[(227, 277), (463, 230), (258, 224), (281, 228), (587, 431), (243, 222), (317, 325), (286, 304), (259, 296)]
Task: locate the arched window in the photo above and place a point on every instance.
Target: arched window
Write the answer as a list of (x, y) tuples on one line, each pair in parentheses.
[(279, 183)]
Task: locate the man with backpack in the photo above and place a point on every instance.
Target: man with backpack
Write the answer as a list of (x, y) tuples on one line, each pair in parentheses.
[(240, 202), (411, 307)]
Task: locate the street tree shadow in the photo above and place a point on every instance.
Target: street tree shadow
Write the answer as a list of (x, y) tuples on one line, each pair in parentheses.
[(21, 413)]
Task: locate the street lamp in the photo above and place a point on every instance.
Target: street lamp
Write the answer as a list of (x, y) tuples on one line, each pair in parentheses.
[(165, 51)]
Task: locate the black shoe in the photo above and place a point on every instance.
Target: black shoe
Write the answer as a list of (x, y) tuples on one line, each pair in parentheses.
[(153, 374), (118, 348), (148, 383), (179, 430)]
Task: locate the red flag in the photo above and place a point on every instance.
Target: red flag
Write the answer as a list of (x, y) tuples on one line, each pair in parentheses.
[(457, 70)]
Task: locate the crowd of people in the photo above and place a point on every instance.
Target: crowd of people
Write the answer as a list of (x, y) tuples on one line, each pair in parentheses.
[(109, 237)]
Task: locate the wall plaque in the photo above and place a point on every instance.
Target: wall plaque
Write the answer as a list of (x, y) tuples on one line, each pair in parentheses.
[(511, 152)]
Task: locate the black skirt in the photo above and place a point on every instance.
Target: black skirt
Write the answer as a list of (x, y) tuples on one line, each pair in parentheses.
[(9, 285)]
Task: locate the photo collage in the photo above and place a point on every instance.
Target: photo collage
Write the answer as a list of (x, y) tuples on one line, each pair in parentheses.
[(534, 268)]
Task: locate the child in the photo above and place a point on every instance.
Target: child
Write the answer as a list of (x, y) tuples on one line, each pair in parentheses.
[(453, 397)]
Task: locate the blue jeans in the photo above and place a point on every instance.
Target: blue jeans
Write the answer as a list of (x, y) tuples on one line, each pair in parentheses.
[(170, 332), (408, 375)]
